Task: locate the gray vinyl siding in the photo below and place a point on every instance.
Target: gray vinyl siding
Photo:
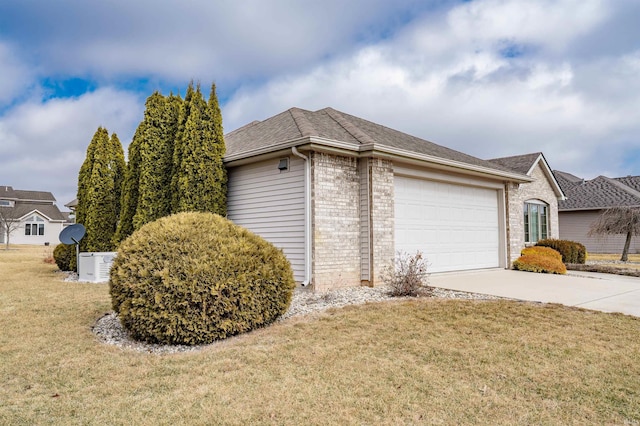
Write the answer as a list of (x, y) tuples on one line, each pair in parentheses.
[(271, 204), (574, 226), (365, 221)]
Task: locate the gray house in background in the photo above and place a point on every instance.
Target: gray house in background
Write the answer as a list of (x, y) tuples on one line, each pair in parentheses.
[(341, 195), (586, 200)]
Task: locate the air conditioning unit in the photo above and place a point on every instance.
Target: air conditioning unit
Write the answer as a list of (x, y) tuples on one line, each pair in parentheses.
[(95, 267)]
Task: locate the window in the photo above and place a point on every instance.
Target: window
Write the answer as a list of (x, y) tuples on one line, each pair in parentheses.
[(6, 203), (34, 225), (536, 221)]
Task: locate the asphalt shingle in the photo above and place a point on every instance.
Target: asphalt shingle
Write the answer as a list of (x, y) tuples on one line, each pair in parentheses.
[(599, 193), (331, 124), (518, 163)]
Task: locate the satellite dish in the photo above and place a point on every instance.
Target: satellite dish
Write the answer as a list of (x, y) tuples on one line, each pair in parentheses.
[(72, 234)]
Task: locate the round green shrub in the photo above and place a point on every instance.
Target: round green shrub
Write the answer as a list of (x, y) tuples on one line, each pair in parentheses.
[(193, 278), (65, 257)]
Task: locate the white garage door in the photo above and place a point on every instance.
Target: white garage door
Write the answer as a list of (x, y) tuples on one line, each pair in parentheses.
[(454, 226)]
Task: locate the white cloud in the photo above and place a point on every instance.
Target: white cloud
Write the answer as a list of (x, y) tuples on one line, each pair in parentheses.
[(200, 39), (446, 80), (16, 76), (44, 144)]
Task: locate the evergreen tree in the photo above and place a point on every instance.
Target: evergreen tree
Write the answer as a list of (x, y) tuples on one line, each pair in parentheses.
[(129, 198), (156, 157), (84, 177), (120, 168), (183, 115), (219, 169), (99, 186), (200, 177)]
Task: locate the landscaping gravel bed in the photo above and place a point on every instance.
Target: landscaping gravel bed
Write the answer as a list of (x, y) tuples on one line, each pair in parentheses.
[(109, 331)]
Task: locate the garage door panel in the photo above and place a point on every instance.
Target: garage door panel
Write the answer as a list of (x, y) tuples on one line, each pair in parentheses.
[(454, 226)]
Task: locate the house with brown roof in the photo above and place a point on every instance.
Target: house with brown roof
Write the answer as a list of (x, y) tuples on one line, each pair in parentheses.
[(586, 200), (533, 206), (341, 195), (38, 220)]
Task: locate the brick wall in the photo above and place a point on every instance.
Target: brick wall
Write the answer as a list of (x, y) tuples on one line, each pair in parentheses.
[(382, 216), (540, 189), (335, 186)]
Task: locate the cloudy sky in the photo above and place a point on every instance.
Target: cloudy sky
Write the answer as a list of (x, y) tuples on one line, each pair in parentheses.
[(487, 77)]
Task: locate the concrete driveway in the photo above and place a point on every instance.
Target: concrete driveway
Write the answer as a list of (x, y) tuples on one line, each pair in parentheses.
[(601, 292)]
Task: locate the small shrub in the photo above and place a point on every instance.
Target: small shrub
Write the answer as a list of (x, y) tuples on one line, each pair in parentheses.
[(542, 251), (192, 278), (65, 257), (571, 251), (407, 276), (539, 263)]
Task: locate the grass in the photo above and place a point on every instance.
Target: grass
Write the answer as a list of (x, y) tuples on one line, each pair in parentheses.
[(413, 362), (607, 256)]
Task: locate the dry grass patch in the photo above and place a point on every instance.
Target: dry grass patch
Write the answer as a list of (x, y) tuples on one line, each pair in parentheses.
[(612, 257), (422, 361)]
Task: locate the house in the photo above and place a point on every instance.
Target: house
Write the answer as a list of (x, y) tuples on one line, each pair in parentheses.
[(33, 216), (533, 206), (586, 200), (71, 215), (341, 195)]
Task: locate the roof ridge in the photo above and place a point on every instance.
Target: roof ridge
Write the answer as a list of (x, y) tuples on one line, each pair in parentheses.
[(569, 176), (360, 135), (246, 126), (622, 186), (303, 123)]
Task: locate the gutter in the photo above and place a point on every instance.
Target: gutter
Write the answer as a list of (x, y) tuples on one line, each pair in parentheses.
[(307, 216), (382, 151)]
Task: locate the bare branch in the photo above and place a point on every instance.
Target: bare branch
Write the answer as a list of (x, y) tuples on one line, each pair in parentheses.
[(617, 220), (8, 222)]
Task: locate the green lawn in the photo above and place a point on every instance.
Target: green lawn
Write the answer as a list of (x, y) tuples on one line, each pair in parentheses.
[(423, 361)]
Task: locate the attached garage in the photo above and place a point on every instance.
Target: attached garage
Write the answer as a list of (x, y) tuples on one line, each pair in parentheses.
[(455, 226), (357, 192)]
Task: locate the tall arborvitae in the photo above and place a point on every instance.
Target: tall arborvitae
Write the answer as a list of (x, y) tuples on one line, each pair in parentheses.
[(219, 170), (120, 168), (175, 161), (156, 154), (129, 198), (98, 189), (199, 172), (84, 178), (183, 115)]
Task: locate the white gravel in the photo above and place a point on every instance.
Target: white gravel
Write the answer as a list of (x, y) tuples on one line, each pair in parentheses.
[(109, 331)]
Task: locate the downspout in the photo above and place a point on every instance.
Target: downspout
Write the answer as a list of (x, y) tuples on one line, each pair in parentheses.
[(307, 216)]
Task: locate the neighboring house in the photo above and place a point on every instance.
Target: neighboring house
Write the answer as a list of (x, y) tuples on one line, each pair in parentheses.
[(71, 205), (40, 221), (586, 200), (533, 206), (341, 195)]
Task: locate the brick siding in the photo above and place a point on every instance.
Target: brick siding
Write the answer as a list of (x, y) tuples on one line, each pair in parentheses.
[(335, 189), (539, 189)]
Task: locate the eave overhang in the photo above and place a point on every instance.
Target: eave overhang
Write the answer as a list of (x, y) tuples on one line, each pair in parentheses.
[(312, 143)]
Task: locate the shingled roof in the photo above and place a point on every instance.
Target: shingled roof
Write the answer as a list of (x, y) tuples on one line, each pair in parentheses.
[(519, 163), (567, 180), (525, 163), (602, 192), (7, 193), (29, 201), (331, 127)]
